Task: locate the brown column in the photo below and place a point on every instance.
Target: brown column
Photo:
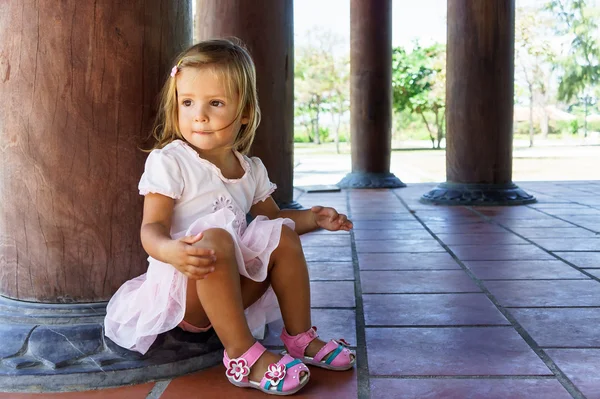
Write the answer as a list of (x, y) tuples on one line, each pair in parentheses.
[(479, 105), (78, 83), (266, 28), (371, 95), (78, 80)]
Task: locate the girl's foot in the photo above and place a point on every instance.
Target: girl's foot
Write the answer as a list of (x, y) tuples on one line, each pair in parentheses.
[(260, 369), (257, 372), (332, 355)]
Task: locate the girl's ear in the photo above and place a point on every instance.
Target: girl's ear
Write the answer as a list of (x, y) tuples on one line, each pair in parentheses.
[(245, 117)]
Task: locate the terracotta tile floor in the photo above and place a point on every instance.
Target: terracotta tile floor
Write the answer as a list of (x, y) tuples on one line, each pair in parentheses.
[(445, 302)]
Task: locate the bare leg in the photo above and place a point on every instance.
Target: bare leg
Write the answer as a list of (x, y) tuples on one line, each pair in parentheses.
[(251, 291), (290, 281), (219, 298)]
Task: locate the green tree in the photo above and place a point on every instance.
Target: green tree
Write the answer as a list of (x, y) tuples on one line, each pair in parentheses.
[(533, 57), (321, 81), (340, 96), (581, 69), (419, 85), (310, 91)]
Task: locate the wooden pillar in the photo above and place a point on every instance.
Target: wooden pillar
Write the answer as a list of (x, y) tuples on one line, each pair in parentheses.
[(371, 95), (479, 106), (78, 83), (266, 28)]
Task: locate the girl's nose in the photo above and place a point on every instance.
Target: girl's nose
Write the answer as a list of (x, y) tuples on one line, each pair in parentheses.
[(201, 116)]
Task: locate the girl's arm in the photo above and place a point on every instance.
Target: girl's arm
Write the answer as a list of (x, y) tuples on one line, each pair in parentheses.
[(194, 262), (156, 225), (306, 220)]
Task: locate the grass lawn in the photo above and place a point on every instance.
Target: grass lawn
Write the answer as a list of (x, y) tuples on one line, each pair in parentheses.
[(320, 164)]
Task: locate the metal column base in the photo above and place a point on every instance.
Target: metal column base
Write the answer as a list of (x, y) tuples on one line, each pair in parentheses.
[(477, 194), (60, 348), (370, 180)]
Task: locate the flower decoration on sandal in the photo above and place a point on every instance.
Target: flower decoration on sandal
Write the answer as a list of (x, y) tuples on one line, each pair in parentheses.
[(237, 369), (343, 342), (275, 373)]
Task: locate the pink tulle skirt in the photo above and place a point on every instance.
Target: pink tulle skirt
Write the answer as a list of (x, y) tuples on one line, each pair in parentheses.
[(154, 302)]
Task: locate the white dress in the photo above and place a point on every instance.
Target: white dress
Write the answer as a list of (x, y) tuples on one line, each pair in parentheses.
[(154, 302)]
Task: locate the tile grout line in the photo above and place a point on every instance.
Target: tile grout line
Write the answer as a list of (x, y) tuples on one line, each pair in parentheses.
[(558, 198), (531, 242), (553, 307), (562, 220), (362, 364), (570, 251), (158, 389), (437, 326), (544, 212), (569, 201), (466, 377), (421, 293), (547, 360)]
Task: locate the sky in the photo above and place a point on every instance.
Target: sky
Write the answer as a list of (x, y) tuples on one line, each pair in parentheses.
[(422, 19)]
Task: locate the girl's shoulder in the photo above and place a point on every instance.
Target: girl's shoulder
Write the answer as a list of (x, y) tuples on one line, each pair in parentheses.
[(171, 159), (163, 172), (174, 148), (176, 152), (258, 170), (256, 165)]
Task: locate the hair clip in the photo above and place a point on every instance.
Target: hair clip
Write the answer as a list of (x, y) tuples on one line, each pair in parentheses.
[(176, 68)]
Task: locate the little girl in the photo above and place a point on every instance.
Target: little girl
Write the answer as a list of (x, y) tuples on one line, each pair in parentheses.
[(207, 267)]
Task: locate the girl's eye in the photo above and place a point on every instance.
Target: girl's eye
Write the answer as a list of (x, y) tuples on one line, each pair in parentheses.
[(216, 103), (186, 103)]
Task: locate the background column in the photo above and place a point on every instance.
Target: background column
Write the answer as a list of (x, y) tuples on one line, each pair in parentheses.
[(371, 95), (479, 106)]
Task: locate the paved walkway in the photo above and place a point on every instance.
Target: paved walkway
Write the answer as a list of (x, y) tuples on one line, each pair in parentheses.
[(445, 302)]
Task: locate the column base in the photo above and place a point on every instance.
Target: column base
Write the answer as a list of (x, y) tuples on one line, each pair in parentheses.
[(477, 194), (370, 180), (61, 348)]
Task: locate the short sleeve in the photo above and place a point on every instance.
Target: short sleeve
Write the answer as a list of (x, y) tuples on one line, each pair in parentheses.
[(264, 187), (162, 175)]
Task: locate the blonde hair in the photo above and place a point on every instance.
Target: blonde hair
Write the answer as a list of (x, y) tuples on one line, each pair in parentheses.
[(231, 60)]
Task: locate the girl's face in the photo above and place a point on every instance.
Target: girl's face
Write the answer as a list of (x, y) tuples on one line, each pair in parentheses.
[(206, 110)]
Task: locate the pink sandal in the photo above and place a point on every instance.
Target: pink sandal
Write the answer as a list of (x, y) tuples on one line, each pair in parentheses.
[(341, 357), (281, 378)]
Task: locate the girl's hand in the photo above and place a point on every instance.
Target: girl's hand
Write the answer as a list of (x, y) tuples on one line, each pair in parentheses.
[(194, 262), (329, 219)]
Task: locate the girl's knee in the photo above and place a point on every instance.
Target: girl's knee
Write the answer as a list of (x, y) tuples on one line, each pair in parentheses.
[(290, 239), (218, 240)]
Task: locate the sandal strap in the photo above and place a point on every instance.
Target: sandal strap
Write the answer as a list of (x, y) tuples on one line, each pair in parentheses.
[(331, 346), (297, 344), (251, 355)]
